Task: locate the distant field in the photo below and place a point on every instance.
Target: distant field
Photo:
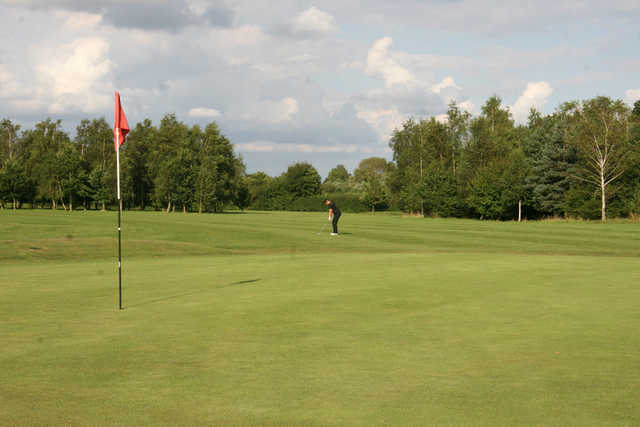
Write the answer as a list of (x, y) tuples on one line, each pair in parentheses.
[(255, 319)]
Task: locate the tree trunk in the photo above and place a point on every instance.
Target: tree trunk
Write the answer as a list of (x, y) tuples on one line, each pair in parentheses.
[(200, 208), (104, 207), (70, 203), (14, 204), (422, 186), (519, 210), (184, 209), (604, 198)]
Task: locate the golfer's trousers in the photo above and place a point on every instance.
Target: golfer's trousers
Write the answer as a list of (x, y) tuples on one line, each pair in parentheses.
[(336, 217)]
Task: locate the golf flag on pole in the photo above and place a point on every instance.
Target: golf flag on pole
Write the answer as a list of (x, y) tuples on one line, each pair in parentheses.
[(120, 131), (120, 125)]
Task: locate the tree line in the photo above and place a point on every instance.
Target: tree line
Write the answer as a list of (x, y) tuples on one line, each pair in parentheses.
[(172, 166), (583, 161)]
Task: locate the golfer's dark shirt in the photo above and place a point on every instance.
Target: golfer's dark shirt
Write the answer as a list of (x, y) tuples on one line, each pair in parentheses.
[(335, 209)]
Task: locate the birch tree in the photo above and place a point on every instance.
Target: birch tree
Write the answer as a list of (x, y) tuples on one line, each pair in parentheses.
[(601, 136), (8, 140)]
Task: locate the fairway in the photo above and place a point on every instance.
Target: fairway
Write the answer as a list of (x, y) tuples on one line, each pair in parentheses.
[(253, 319)]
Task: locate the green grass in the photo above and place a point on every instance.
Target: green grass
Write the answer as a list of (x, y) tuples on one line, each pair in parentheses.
[(255, 319)]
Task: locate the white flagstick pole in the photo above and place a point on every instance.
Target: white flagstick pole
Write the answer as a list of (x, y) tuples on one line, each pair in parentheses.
[(119, 213)]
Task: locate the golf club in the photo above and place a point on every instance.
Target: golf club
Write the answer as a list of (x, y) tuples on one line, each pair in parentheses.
[(323, 227)]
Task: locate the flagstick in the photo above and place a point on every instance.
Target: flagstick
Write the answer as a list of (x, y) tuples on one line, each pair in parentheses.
[(119, 213)]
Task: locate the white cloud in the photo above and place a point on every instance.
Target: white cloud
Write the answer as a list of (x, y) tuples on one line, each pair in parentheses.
[(534, 96), (232, 38), (314, 21), (383, 121), (77, 80), (447, 82), (79, 21), (632, 95), (76, 73), (442, 118), (468, 106), (270, 147), (333, 103), (197, 7), (381, 62), (410, 90), (271, 111), (288, 106), (8, 86), (61, 78), (204, 112)]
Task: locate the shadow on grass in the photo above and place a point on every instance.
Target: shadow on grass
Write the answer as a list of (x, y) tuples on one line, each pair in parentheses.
[(241, 282)]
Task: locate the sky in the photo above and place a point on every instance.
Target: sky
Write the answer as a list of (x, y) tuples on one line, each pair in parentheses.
[(325, 82)]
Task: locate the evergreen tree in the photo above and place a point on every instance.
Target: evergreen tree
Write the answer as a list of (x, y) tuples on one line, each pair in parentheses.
[(550, 160)]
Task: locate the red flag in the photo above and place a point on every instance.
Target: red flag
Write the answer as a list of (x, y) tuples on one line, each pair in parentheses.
[(119, 124)]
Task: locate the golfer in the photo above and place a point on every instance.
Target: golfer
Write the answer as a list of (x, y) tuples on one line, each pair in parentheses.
[(334, 215)]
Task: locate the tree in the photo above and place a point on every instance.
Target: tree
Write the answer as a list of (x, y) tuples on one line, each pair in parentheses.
[(338, 180), (635, 124), (414, 147), (137, 157), (8, 140), (15, 185), (229, 168), (404, 179), (94, 140), (371, 173), (551, 160), (497, 189), (636, 109), (70, 177), (207, 173), (243, 196), (174, 185), (258, 185), (39, 149), (601, 136), (337, 174), (98, 189), (492, 136), (301, 180), (457, 128), (170, 137), (440, 191), (94, 143)]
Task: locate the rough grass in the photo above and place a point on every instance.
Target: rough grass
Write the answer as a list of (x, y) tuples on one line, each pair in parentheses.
[(255, 319)]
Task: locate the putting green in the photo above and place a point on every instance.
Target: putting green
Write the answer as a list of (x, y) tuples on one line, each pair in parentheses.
[(254, 319)]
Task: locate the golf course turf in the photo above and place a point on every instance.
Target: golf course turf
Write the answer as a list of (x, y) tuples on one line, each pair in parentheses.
[(253, 319)]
